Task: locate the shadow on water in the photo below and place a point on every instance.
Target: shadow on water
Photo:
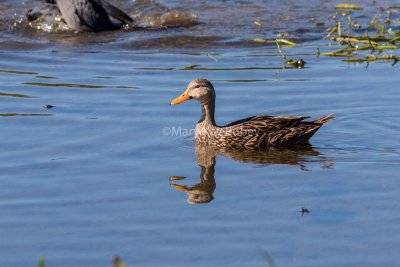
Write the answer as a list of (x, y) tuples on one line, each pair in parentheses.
[(203, 191)]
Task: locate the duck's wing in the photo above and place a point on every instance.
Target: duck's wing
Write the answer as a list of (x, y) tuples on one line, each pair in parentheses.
[(115, 12), (263, 131), (268, 123)]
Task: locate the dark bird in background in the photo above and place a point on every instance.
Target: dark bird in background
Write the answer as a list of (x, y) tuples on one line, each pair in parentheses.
[(87, 15)]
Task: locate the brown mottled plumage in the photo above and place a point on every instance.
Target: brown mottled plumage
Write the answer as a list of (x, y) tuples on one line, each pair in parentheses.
[(249, 133)]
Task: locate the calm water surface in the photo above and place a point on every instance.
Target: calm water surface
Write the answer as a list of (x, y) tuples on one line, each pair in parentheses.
[(90, 178)]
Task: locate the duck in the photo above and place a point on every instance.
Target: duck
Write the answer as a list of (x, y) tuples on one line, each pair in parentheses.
[(256, 132), (83, 15)]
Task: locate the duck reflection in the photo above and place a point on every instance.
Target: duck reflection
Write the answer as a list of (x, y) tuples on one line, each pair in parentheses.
[(203, 191)]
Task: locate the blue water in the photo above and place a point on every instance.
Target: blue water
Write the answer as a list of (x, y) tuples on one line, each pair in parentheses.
[(90, 178)]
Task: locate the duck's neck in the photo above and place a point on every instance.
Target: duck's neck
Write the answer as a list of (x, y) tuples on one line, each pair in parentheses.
[(207, 111)]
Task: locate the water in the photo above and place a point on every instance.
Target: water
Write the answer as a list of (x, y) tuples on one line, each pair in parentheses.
[(90, 178)]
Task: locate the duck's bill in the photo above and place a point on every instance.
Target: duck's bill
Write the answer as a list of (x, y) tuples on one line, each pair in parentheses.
[(180, 187), (180, 99)]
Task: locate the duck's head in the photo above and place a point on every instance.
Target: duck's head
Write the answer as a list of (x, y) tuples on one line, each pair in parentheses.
[(199, 89)]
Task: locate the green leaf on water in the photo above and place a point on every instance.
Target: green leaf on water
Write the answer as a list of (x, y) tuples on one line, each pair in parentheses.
[(387, 47), (42, 262), (191, 67), (118, 262), (270, 40), (284, 41), (349, 6)]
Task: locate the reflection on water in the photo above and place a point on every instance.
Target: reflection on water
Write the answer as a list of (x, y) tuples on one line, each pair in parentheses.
[(203, 191)]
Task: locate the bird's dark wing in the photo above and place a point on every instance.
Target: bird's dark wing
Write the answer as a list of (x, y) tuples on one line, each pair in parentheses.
[(268, 123), (263, 131), (115, 12)]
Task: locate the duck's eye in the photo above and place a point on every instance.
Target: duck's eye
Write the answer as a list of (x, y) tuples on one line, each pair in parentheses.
[(197, 86)]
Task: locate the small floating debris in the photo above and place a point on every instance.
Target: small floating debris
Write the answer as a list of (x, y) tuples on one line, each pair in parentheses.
[(364, 48), (15, 95), (118, 262), (258, 23), (373, 58), (304, 210), (297, 63), (48, 106)]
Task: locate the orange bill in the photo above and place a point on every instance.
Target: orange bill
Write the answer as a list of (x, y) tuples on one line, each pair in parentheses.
[(184, 97), (180, 187)]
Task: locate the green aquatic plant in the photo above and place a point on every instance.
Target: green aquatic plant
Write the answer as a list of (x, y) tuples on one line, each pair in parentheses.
[(42, 262), (272, 40), (299, 64), (349, 6), (363, 47)]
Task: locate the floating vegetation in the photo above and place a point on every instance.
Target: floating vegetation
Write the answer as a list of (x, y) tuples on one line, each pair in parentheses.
[(359, 48), (258, 23), (304, 210), (15, 95), (272, 40), (19, 72), (299, 64), (349, 6), (373, 58)]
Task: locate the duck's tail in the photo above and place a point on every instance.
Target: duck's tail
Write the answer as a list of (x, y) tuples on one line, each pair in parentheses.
[(324, 119)]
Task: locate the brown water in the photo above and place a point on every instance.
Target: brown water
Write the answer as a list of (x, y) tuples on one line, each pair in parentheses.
[(91, 177)]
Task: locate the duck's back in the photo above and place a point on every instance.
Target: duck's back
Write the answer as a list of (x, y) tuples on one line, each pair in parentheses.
[(265, 131)]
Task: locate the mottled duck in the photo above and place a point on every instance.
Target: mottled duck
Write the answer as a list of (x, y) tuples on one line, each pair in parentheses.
[(250, 133)]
